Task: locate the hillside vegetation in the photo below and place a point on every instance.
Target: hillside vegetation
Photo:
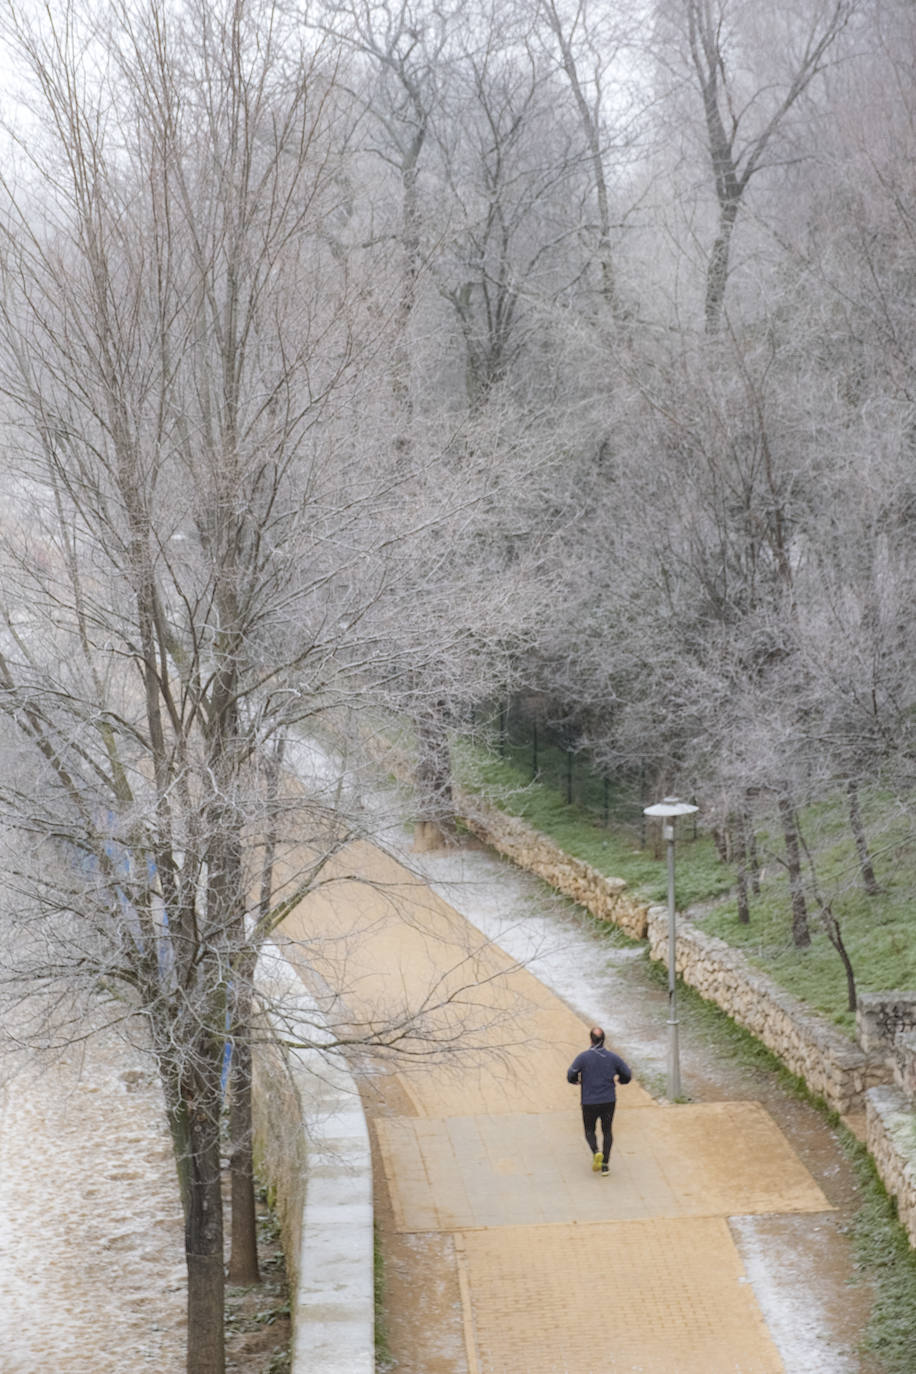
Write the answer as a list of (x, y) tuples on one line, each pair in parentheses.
[(879, 931)]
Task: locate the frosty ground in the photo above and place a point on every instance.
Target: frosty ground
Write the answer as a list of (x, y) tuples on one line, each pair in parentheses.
[(92, 1272)]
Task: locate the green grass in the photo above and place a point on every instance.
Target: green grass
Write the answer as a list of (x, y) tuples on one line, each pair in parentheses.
[(884, 1255), (612, 850), (571, 777), (879, 931)]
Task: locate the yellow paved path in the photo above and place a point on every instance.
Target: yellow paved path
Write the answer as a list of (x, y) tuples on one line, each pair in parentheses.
[(559, 1270)]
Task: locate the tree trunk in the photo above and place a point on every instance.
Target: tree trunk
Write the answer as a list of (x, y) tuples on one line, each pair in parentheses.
[(752, 858), (858, 829), (177, 1114), (718, 267), (204, 1244), (434, 778), (801, 934), (194, 1112), (410, 238), (243, 1255), (720, 840), (594, 139), (835, 936), (739, 848)]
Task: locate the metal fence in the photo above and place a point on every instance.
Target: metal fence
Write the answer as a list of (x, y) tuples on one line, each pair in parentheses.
[(522, 731)]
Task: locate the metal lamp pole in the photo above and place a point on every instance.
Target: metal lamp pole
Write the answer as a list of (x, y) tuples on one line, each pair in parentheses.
[(668, 811)]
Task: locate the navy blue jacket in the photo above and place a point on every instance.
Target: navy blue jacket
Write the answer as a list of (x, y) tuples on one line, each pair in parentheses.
[(595, 1069)]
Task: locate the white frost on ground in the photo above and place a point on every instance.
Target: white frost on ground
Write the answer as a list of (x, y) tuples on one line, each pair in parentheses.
[(782, 1286), (92, 1274), (510, 909)]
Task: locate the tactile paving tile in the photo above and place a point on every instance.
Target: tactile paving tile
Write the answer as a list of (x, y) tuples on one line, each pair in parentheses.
[(653, 1297), (710, 1159)]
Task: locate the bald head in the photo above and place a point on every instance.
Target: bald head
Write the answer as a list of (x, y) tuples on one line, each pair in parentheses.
[(596, 1034)]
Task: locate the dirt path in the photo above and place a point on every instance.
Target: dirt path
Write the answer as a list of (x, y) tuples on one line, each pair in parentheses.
[(720, 1235)]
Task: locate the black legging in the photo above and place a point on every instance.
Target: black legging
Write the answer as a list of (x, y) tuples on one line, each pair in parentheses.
[(592, 1113)]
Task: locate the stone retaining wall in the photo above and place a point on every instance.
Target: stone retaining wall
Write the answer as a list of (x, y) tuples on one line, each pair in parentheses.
[(882, 1016), (904, 1061), (891, 1141), (279, 1142), (831, 1065), (606, 898)]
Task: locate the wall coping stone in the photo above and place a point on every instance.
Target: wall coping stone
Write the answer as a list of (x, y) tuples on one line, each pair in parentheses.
[(890, 1137), (881, 1016), (904, 1061), (333, 1278)]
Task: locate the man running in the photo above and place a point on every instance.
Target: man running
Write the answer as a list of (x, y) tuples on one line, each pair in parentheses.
[(596, 1070)]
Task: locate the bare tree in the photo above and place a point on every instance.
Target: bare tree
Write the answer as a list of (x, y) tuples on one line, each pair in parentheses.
[(153, 359), (401, 49), (745, 115), (198, 556), (508, 169), (594, 51)]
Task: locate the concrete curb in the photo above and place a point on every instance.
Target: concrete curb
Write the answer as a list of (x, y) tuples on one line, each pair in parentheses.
[(332, 1298)]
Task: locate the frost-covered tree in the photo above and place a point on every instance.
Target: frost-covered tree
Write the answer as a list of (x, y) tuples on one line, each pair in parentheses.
[(203, 541)]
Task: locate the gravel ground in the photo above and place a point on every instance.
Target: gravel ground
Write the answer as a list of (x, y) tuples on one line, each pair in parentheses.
[(92, 1273)]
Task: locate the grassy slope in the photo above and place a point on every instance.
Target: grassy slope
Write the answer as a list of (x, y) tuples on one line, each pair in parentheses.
[(879, 932)]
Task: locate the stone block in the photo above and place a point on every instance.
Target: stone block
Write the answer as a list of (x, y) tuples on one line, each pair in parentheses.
[(903, 1058), (881, 1016), (890, 1136)]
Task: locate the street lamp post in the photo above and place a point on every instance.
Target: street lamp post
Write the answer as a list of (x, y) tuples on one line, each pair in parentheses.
[(668, 811)]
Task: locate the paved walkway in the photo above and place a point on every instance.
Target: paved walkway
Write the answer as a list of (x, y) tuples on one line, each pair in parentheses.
[(558, 1269)]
